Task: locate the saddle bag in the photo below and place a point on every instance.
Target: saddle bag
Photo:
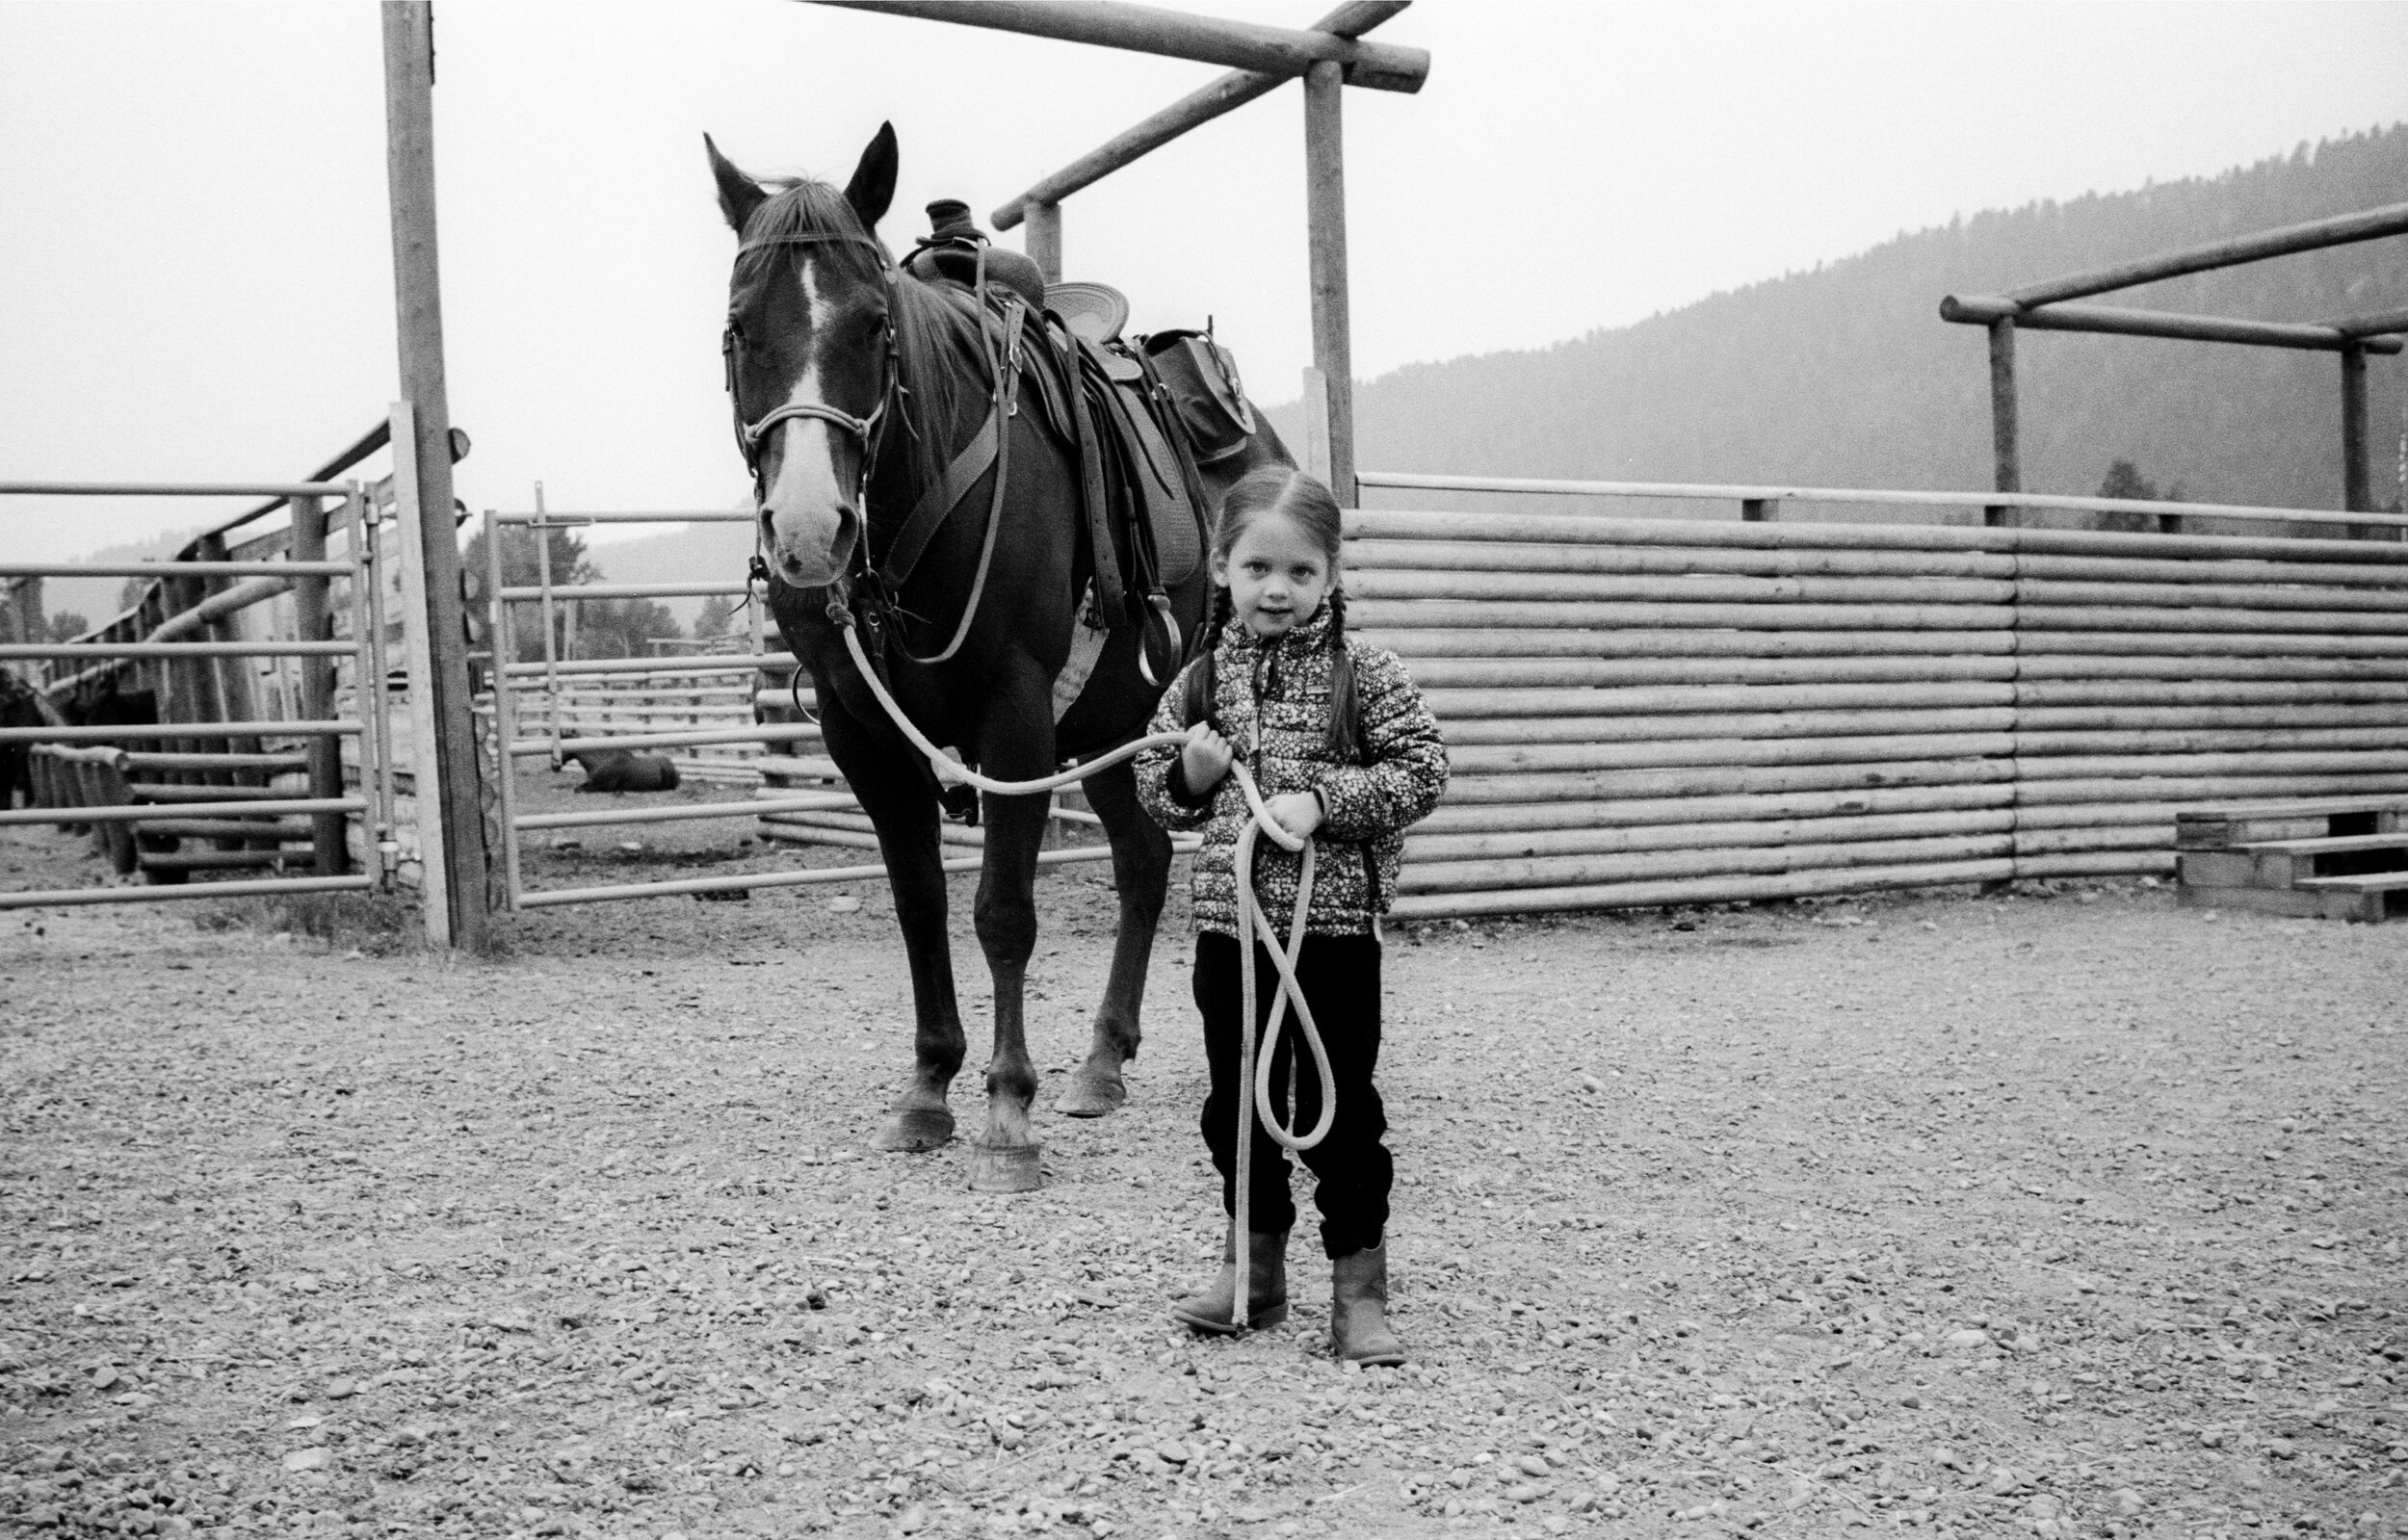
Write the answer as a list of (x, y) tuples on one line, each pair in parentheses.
[(1200, 378)]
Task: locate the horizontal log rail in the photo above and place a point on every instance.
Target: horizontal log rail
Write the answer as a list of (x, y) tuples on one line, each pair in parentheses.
[(1981, 310), (1658, 709), (1223, 95), (1415, 481), (1173, 34), (2314, 235)]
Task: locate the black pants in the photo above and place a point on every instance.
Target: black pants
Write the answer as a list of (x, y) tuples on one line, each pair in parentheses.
[(1341, 977)]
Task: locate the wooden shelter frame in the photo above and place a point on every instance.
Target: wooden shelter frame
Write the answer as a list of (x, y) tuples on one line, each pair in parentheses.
[(1328, 56), (2048, 308)]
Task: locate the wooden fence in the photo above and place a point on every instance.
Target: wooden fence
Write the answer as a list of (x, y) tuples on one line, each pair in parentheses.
[(1651, 712)]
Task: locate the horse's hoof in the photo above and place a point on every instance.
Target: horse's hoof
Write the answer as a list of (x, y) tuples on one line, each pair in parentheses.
[(1086, 1094), (911, 1129), (1008, 1168)]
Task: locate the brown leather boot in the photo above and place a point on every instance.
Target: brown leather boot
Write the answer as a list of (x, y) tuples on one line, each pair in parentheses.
[(1266, 1301), (1358, 1309)]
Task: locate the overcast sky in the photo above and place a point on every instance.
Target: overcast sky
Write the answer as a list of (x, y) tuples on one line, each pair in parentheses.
[(194, 261)]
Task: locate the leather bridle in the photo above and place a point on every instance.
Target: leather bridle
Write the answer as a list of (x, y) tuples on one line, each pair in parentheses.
[(866, 431)]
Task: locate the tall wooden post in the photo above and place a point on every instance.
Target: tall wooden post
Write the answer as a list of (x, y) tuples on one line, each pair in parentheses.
[(1326, 220), (452, 756), (2007, 451), (1045, 240), (2357, 494)]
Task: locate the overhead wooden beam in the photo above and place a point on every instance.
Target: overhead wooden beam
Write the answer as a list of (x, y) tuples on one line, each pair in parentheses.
[(1981, 310), (1175, 33), (1229, 92), (2315, 235), (2376, 326)]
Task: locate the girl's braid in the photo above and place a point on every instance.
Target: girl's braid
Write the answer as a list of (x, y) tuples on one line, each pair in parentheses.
[(1203, 682), (1345, 741)]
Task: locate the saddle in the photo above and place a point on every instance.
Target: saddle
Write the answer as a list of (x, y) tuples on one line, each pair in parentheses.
[(1139, 420)]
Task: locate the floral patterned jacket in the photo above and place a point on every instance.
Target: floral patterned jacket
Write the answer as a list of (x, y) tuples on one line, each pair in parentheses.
[(1271, 702)]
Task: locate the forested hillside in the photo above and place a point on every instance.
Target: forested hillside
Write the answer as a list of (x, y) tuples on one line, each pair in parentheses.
[(1847, 377)]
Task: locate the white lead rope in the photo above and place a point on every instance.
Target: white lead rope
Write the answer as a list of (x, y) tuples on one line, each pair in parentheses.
[(1254, 1068)]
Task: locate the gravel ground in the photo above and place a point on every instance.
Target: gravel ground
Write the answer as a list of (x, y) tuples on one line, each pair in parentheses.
[(2070, 1213)]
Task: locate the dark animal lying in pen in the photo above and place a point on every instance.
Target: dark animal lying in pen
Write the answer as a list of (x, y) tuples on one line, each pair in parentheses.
[(619, 770)]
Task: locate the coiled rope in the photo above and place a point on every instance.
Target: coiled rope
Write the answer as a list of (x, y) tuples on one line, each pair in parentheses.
[(1254, 1068)]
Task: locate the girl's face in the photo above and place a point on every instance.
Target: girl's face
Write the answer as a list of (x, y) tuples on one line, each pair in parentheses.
[(1276, 575)]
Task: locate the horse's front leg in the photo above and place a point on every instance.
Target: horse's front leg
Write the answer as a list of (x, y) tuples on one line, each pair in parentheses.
[(1142, 875), (886, 779), (1016, 744)]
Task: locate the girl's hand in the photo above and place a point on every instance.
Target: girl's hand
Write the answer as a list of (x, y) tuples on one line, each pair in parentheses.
[(1299, 813), (1205, 759)]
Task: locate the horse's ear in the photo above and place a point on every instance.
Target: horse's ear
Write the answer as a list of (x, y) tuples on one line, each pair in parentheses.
[(872, 184), (739, 194)]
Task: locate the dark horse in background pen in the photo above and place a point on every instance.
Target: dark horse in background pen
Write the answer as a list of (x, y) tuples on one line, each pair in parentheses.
[(877, 379)]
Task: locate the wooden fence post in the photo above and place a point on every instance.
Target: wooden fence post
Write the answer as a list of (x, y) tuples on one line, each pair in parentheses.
[(422, 464), (1325, 218), (1317, 425), (2007, 451), (2357, 492), (1045, 240)]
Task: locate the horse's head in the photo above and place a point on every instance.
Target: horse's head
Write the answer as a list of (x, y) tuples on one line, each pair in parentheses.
[(809, 352)]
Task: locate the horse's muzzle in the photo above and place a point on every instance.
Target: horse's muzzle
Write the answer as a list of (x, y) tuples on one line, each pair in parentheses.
[(813, 564)]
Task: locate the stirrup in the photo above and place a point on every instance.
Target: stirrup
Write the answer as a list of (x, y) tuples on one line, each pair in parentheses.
[(1159, 603)]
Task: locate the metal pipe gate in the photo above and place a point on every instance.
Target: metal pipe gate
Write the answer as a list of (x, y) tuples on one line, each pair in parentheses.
[(210, 778)]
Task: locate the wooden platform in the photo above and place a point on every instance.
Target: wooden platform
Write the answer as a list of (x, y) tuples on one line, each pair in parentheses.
[(2338, 858)]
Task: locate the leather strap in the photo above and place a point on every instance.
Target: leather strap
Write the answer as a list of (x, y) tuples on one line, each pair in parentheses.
[(962, 473), (1112, 595)]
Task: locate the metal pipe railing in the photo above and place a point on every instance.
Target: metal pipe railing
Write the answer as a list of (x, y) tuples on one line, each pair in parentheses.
[(207, 810)]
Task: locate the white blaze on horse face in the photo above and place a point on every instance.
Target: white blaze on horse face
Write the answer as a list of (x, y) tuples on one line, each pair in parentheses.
[(809, 508)]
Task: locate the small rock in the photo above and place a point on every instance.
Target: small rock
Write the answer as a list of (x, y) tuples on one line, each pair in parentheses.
[(1526, 1491), (1969, 1337), (1534, 1465), (913, 1520), (2129, 1503), (844, 903), (300, 1460), (341, 1390), (43, 1518), (104, 1377), (1174, 1451)]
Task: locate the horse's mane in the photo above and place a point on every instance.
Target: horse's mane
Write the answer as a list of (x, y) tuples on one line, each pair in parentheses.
[(927, 326)]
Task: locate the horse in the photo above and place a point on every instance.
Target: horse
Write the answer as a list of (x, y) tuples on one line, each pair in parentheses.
[(854, 384)]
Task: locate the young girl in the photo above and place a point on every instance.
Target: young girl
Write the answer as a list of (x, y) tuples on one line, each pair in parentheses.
[(1342, 750)]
